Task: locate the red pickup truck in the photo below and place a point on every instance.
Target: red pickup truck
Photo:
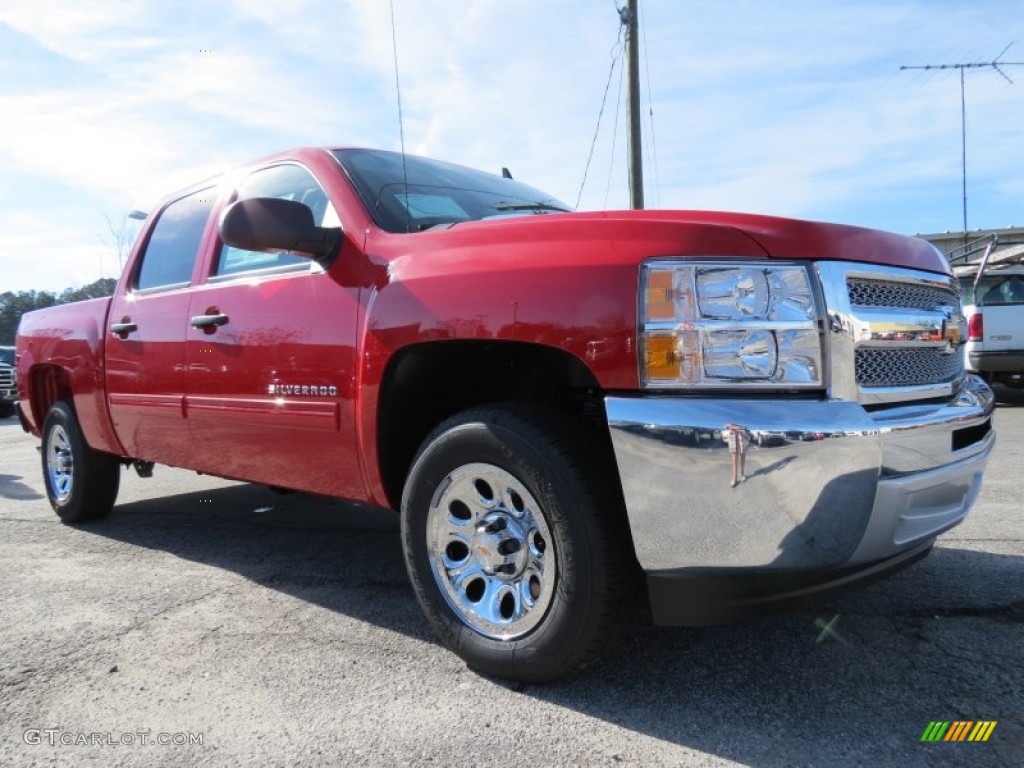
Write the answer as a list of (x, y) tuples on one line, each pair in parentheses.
[(729, 410)]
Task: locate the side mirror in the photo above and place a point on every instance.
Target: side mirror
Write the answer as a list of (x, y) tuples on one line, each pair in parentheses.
[(272, 224)]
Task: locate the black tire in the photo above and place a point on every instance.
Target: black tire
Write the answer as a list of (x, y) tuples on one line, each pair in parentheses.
[(6, 411), (565, 602), (81, 483)]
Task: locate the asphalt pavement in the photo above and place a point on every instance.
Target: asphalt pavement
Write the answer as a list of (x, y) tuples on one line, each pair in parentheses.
[(207, 622)]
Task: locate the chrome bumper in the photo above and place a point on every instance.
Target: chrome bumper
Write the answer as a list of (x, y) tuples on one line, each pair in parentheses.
[(829, 484)]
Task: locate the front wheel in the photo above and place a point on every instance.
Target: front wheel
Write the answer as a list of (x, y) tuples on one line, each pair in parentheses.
[(81, 483), (516, 544)]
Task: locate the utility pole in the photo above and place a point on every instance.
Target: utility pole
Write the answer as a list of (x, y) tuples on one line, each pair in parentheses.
[(995, 64), (629, 14)]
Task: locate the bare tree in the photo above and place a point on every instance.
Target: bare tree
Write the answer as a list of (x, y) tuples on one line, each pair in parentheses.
[(121, 237)]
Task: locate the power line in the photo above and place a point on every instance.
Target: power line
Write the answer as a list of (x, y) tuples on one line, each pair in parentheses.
[(995, 64), (616, 52), (615, 135), (401, 125)]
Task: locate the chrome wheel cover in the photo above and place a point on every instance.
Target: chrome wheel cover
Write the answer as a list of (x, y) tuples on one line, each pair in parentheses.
[(59, 463), (491, 551)]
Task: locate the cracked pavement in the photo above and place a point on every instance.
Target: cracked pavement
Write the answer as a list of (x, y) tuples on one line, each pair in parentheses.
[(283, 630)]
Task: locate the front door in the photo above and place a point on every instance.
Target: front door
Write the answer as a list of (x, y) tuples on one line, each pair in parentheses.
[(270, 355)]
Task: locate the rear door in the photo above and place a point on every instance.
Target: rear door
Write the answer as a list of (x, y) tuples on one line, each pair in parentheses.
[(145, 349), (270, 356)]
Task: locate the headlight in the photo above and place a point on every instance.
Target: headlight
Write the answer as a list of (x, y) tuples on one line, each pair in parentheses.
[(723, 324)]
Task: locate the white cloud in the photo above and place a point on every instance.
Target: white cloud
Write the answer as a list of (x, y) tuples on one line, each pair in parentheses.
[(37, 255), (105, 146)]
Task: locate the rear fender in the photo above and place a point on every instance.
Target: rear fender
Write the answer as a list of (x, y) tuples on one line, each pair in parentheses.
[(60, 357)]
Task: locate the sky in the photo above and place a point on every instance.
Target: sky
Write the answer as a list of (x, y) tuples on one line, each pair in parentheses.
[(793, 108)]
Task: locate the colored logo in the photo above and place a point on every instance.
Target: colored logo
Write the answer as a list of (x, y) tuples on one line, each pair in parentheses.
[(958, 730)]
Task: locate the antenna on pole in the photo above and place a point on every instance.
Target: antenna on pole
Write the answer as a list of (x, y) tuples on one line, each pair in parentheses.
[(995, 64)]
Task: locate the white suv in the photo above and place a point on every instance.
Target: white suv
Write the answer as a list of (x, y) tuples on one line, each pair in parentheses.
[(994, 307)]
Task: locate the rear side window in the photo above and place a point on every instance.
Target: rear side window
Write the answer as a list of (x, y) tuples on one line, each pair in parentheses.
[(285, 182), (174, 242), (994, 290)]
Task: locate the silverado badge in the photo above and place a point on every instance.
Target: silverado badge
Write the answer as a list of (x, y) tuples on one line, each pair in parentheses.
[(303, 390)]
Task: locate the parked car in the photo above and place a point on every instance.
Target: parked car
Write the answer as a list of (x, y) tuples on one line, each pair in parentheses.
[(527, 386), (994, 306), (8, 383)]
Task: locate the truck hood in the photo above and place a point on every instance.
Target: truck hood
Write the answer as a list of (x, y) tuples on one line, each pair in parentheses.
[(636, 235), (799, 239)]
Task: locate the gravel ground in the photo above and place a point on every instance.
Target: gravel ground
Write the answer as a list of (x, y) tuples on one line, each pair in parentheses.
[(280, 630)]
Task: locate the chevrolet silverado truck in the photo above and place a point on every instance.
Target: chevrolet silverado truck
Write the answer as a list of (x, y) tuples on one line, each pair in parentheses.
[(542, 394)]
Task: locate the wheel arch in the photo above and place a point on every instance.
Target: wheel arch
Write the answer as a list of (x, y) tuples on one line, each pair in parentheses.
[(47, 384), (425, 383)]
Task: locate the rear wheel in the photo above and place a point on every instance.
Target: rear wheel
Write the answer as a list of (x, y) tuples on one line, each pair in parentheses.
[(516, 544), (81, 483)]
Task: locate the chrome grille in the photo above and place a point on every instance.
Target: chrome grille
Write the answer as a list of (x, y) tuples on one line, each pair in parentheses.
[(905, 295), (6, 376), (906, 367), (887, 335)]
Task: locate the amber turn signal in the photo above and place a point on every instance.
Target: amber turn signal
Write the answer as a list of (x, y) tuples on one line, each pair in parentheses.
[(662, 359), (660, 295)]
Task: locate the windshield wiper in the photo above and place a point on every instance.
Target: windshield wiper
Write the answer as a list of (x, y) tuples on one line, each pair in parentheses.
[(529, 207)]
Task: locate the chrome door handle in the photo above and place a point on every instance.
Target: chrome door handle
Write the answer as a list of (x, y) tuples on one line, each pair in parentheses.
[(123, 329), (208, 321)]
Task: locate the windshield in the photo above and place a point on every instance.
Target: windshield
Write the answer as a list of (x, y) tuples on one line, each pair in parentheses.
[(427, 193), (7, 355)]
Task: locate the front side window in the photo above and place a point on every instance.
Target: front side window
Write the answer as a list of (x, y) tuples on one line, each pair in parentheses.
[(174, 242), (284, 182)]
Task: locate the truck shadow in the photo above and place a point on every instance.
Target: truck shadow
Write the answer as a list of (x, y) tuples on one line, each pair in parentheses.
[(858, 675), (852, 680), (1008, 397), (294, 543), (11, 487)]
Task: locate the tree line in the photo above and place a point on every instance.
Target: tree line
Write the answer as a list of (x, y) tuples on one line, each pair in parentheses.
[(14, 305)]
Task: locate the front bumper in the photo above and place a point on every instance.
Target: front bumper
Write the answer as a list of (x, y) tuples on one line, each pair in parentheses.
[(834, 492)]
